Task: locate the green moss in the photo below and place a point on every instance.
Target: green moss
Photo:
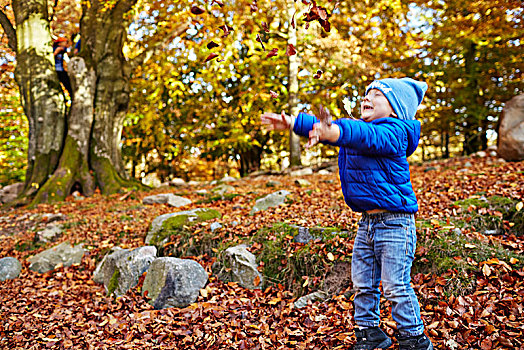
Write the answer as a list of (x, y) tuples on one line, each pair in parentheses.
[(224, 197), (489, 221), (113, 282), (446, 254), (178, 225)]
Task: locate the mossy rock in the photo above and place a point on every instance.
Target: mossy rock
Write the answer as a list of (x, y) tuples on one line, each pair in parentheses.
[(488, 222), (166, 225), (456, 257)]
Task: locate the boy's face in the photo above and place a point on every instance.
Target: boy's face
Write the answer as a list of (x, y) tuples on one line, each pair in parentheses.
[(374, 106)]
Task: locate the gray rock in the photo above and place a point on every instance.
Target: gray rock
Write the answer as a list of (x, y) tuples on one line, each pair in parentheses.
[(193, 183), (241, 267), (166, 198), (49, 234), (510, 142), (201, 192), (235, 223), (468, 165), (228, 179), (222, 189), (173, 282), (324, 172), (273, 183), (177, 220), (215, 226), (49, 259), (10, 192), (493, 153), (302, 172), (177, 182), (151, 180), (51, 217), (311, 298), (120, 269), (303, 235), (302, 183), (480, 154), (10, 268), (272, 200)]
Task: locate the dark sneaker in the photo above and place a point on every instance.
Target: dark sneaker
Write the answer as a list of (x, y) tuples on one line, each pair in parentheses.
[(371, 338), (419, 342)]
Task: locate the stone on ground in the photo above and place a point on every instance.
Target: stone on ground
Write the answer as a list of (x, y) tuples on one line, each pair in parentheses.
[(162, 226), (511, 130), (310, 298), (271, 200), (240, 265), (120, 269), (10, 192), (302, 172), (63, 254), (222, 189), (167, 198), (49, 234), (9, 268), (174, 282)]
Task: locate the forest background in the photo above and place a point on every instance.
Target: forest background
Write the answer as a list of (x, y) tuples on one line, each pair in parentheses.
[(194, 106)]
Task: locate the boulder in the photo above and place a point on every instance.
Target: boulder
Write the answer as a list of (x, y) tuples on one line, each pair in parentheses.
[(52, 217), (222, 189), (174, 282), (271, 200), (511, 130), (240, 265), (164, 225), (177, 182), (228, 179), (302, 172), (273, 183), (302, 183), (167, 198), (10, 192), (49, 234), (310, 298), (9, 268), (120, 269), (49, 259)]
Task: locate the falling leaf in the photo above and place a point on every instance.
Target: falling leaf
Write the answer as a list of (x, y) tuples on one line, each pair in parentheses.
[(211, 56), (318, 74), (273, 94), (254, 6), (290, 50), (293, 24), (196, 10), (272, 53), (226, 29), (218, 2), (212, 44), (265, 27)]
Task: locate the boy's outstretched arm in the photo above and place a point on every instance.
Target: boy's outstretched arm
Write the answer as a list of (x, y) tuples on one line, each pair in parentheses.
[(277, 121)]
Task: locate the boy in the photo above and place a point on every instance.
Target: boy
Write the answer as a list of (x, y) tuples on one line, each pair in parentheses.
[(375, 179)]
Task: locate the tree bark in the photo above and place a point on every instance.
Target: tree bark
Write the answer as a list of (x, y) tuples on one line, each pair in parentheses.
[(294, 140), (40, 91)]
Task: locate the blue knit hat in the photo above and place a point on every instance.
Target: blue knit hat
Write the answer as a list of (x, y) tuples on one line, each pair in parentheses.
[(404, 95)]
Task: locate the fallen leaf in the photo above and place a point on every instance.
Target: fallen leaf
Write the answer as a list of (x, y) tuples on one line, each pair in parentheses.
[(290, 50), (211, 56), (196, 10), (212, 44)]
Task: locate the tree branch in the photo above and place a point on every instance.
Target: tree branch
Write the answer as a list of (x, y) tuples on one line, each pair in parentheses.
[(148, 53), (9, 30)]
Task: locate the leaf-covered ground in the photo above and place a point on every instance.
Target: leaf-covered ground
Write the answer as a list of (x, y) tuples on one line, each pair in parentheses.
[(66, 309)]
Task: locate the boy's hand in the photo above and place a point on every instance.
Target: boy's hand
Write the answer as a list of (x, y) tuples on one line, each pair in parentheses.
[(324, 130), (276, 121)]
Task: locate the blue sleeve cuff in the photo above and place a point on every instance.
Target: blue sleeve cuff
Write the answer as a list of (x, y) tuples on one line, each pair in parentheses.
[(304, 124)]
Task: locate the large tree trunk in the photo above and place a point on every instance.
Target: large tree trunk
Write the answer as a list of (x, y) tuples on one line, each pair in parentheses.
[(105, 32), (40, 91), (294, 140)]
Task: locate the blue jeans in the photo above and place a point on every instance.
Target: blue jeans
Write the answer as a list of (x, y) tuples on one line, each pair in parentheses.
[(384, 249)]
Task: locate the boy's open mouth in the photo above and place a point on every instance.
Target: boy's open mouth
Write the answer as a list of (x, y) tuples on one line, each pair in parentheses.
[(368, 107)]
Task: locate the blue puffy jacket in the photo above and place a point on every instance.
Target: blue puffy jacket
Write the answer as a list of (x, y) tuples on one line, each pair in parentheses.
[(372, 161)]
